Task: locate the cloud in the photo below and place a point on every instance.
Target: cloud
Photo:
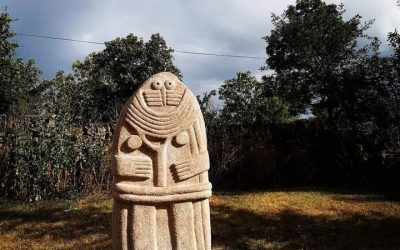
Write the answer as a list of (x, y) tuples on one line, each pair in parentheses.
[(386, 14), (224, 26)]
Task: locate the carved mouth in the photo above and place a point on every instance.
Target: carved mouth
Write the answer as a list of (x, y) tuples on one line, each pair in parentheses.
[(174, 97), (158, 98), (153, 98)]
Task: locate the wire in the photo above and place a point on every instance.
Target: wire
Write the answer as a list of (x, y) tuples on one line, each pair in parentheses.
[(224, 55), (176, 51), (59, 38)]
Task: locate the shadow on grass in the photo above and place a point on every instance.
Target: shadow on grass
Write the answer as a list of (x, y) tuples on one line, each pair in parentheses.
[(87, 228), (344, 194), (244, 229), (90, 228)]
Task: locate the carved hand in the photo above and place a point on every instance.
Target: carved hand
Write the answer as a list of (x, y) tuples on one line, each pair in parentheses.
[(183, 170), (134, 166), (189, 168), (142, 170)]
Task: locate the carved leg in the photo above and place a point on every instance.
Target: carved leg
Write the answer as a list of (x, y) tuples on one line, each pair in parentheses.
[(143, 234), (198, 225), (184, 233), (206, 223), (202, 224)]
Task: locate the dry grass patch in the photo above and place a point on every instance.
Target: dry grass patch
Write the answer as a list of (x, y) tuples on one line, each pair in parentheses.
[(261, 220), (305, 220), (80, 224)]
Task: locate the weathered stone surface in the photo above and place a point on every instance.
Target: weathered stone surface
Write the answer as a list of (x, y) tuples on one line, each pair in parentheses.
[(160, 169)]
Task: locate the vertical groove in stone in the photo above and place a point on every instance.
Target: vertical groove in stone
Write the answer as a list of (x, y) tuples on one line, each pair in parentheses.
[(199, 136), (185, 236), (193, 141), (171, 226), (198, 225), (203, 131), (143, 228), (206, 223)]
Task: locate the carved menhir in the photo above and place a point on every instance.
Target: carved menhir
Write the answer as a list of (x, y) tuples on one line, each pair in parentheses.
[(160, 167)]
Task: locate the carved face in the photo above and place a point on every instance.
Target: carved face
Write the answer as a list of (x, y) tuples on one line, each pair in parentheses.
[(162, 106), (162, 92)]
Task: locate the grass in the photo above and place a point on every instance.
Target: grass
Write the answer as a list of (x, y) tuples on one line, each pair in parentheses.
[(248, 220)]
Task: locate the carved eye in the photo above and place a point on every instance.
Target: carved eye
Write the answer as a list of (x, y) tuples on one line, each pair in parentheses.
[(156, 85), (182, 139), (169, 85), (134, 142)]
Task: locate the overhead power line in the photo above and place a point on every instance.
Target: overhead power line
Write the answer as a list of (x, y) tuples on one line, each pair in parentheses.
[(224, 55), (176, 51), (59, 38)]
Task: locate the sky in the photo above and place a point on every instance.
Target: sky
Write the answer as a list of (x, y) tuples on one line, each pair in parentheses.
[(208, 26)]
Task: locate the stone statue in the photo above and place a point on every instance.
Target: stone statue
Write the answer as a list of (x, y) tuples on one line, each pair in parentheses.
[(160, 167)]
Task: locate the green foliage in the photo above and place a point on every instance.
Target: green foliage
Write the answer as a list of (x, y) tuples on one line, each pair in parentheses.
[(394, 40), (109, 77), (62, 100), (49, 158), (246, 102), (308, 48), (320, 67), (51, 155), (208, 108), (7, 47), (18, 80)]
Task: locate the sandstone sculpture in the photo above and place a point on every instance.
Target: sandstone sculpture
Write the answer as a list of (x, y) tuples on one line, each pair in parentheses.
[(160, 167)]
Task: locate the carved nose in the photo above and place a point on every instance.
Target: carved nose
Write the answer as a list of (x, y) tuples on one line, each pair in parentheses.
[(164, 96)]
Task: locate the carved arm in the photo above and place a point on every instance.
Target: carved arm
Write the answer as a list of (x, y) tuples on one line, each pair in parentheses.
[(192, 167), (132, 166)]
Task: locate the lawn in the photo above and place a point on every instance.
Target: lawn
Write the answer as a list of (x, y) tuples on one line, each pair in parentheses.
[(271, 219)]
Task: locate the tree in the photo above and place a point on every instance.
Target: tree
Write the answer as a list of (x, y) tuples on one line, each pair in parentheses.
[(246, 102), (309, 49), (208, 108), (18, 80), (394, 41), (320, 66), (109, 77), (61, 100)]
